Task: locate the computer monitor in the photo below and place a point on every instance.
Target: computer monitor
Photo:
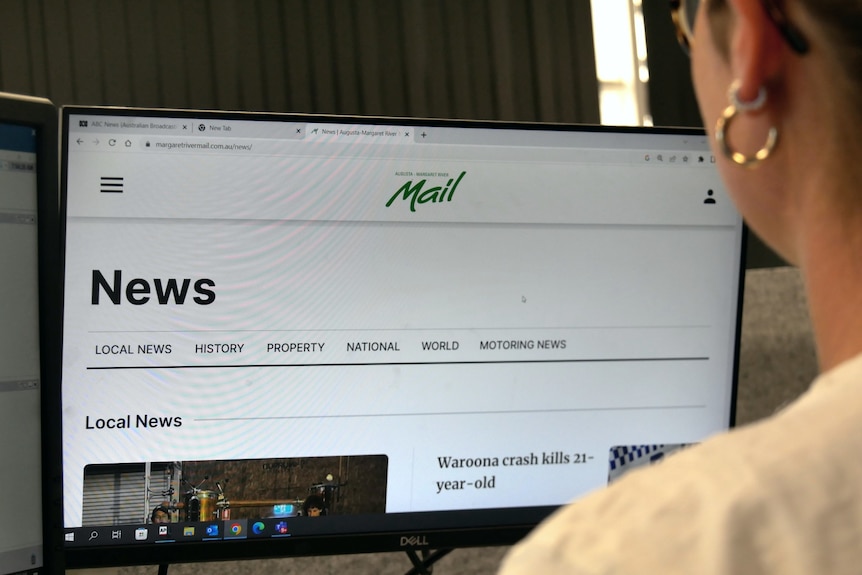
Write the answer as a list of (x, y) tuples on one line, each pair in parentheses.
[(290, 335), (29, 256)]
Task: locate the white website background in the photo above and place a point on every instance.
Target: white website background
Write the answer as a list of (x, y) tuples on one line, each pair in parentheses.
[(571, 306)]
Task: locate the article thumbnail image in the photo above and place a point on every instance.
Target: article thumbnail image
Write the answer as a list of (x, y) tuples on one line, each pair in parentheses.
[(625, 458), (180, 491)]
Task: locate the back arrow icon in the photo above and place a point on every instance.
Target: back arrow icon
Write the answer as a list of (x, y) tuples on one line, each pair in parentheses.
[(80, 141)]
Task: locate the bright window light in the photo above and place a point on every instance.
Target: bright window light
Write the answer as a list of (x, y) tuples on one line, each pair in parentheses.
[(621, 62)]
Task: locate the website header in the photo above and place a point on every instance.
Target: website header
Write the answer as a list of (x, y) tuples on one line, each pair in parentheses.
[(394, 190)]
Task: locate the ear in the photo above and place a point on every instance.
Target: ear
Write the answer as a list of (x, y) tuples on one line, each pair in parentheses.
[(756, 47)]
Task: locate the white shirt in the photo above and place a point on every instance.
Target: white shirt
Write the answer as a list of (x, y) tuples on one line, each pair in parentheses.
[(783, 496)]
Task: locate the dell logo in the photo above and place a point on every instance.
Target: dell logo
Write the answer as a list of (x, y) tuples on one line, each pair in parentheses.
[(415, 541)]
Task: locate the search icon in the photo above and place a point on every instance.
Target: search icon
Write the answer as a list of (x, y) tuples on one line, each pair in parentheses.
[(93, 535)]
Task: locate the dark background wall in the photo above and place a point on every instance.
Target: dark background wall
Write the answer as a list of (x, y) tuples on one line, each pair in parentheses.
[(483, 59)]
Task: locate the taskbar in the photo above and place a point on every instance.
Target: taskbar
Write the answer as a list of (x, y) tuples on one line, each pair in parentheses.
[(216, 530), (273, 528), (145, 544)]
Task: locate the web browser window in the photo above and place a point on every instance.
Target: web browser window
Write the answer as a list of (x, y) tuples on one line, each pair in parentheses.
[(20, 434), (274, 319)]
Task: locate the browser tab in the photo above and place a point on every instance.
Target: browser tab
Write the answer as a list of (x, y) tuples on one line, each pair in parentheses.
[(129, 125), (359, 133), (247, 129)]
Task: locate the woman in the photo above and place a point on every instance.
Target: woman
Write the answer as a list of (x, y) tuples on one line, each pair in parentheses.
[(779, 84)]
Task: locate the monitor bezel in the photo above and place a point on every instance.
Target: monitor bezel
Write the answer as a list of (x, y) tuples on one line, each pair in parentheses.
[(42, 115), (453, 529)]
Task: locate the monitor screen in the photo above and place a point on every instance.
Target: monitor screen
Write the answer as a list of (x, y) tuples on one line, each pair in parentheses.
[(302, 335), (28, 202)]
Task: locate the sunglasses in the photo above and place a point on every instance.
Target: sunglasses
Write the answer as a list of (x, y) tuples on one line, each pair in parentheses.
[(683, 13)]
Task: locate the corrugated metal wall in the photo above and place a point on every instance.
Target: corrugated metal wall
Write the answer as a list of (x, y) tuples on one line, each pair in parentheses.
[(486, 59), (114, 499), (117, 494)]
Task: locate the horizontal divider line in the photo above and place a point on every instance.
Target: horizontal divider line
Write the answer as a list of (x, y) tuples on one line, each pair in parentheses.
[(470, 413), (398, 363), (408, 329)]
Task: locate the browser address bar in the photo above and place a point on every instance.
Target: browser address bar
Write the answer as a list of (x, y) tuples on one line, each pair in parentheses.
[(199, 146), (338, 147), (329, 146)]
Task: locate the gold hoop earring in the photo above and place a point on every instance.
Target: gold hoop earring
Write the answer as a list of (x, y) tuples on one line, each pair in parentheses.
[(723, 123)]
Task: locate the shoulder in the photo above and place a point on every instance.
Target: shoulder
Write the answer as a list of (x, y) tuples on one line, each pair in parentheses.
[(768, 498)]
